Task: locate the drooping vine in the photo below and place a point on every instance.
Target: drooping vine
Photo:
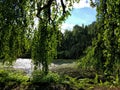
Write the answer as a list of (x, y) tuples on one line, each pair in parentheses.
[(13, 28), (105, 48)]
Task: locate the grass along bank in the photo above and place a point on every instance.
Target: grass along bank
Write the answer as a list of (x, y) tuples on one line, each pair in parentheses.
[(64, 75)]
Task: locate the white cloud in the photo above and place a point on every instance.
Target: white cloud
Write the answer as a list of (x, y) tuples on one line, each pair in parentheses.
[(82, 4), (66, 26)]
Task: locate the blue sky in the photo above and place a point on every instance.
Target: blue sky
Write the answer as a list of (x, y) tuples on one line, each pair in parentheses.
[(81, 14)]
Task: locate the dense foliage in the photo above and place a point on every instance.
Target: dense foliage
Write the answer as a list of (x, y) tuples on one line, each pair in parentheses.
[(19, 32), (13, 29), (17, 27), (104, 54), (46, 36), (74, 43), (11, 79)]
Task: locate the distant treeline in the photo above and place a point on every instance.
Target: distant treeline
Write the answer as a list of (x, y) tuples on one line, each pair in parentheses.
[(75, 41)]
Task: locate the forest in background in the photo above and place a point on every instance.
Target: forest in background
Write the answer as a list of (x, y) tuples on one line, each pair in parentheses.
[(74, 42), (96, 46)]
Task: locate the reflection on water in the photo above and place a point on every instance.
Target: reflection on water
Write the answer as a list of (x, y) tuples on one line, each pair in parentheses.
[(27, 65), (24, 64)]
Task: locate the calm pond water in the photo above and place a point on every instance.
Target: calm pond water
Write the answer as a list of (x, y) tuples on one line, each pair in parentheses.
[(27, 65), (24, 64)]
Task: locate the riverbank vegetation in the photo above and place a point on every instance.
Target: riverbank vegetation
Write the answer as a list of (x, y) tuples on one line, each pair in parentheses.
[(95, 48), (61, 78)]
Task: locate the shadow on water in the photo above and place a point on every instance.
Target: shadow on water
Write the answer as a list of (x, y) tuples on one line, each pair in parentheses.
[(63, 61)]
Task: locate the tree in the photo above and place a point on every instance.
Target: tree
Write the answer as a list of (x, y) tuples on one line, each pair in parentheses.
[(108, 26), (13, 28), (105, 48), (74, 43), (51, 13)]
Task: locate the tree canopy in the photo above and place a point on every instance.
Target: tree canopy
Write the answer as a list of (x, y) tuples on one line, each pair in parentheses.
[(17, 27), (104, 54), (18, 32), (13, 29), (75, 41)]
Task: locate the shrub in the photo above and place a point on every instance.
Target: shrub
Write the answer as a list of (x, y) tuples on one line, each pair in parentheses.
[(12, 76), (39, 76)]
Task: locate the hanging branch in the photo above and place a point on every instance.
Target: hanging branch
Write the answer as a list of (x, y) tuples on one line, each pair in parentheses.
[(93, 4), (63, 7), (49, 14), (44, 7), (48, 6)]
